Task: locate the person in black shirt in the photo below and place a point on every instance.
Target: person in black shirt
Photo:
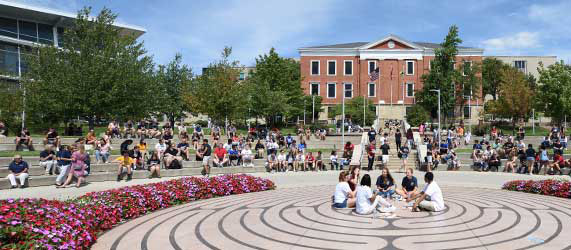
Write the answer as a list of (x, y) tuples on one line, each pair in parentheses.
[(260, 148), (172, 154), (154, 165), (205, 152), (385, 184), (184, 149), (24, 138), (385, 153), (557, 147), (48, 160), (125, 145), (372, 135), (398, 138), (52, 138), (530, 158), (138, 156)]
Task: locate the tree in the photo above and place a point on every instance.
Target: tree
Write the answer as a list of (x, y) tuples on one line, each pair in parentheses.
[(554, 91), (96, 72), (354, 110), (491, 76), (217, 92), (417, 115), (275, 88), (515, 97), (468, 83), (441, 76), (10, 106), (173, 81), (310, 104)]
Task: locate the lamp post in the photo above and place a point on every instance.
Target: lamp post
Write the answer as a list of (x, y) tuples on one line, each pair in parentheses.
[(469, 112), (304, 112), (343, 118), (403, 87), (313, 109), (438, 91)]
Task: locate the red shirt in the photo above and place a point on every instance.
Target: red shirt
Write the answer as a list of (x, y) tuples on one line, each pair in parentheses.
[(558, 158), (309, 158), (371, 150), (220, 152), (349, 147)]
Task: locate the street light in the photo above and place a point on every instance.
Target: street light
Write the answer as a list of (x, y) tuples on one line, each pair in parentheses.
[(469, 111), (438, 91)]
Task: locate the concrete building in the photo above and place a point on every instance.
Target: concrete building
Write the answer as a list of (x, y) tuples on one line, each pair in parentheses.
[(23, 27), (527, 64), (334, 71)]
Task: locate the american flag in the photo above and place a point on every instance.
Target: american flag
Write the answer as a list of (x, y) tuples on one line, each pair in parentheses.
[(374, 74)]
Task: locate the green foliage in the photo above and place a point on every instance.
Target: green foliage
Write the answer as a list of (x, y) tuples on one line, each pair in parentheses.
[(417, 115), (274, 89), (354, 110), (441, 76), (10, 106), (173, 81), (491, 76), (481, 129), (217, 92), (554, 91), (97, 73)]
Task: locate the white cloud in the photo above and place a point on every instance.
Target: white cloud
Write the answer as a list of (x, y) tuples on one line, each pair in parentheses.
[(521, 40)]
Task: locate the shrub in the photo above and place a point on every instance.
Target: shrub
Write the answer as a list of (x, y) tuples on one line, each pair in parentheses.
[(481, 130), (76, 223), (202, 123)]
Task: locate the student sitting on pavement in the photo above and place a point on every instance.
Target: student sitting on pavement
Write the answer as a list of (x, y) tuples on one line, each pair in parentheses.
[(18, 169), (386, 184), (367, 201), (430, 198), (344, 197), (409, 185)]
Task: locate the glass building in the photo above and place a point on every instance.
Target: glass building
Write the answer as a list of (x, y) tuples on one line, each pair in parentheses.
[(23, 27)]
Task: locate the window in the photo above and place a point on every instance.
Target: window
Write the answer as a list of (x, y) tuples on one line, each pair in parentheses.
[(410, 89), (8, 59), (60, 36), (25, 53), (467, 112), (242, 76), (348, 90), (45, 33), (331, 91), (28, 31), (331, 68), (348, 68), (372, 89), (314, 67), (314, 90), (372, 66), (8, 27), (410, 67), (467, 67), (521, 66)]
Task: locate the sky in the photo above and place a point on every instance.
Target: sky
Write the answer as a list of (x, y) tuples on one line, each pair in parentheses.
[(200, 29)]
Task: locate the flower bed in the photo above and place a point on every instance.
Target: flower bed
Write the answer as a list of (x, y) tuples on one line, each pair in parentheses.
[(558, 188), (76, 223)]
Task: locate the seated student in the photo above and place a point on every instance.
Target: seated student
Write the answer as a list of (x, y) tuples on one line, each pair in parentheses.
[(558, 163), (172, 157), (220, 156), (91, 138), (128, 130), (476, 145), (444, 147), (546, 143), (494, 162), (24, 139), (78, 167), (125, 162), (52, 138), (198, 131), (154, 165), (299, 162), (319, 161), (125, 145), (247, 156), (344, 197), (48, 160), (290, 159), (557, 147), (367, 201), (234, 156), (272, 162), (334, 160), (309, 161), (511, 163), (160, 148), (282, 164), (386, 184), (409, 185), (184, 149), (430, 198), (348, 149), (143, 147), (137, 155), (102, 151), (259, 148), (167, 135), (18, 169), (141, 129)]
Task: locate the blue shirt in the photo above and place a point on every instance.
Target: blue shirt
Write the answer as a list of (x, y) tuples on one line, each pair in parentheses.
[(477, 146), (409, 184), (17, 168), (64, 154), (233, 152)]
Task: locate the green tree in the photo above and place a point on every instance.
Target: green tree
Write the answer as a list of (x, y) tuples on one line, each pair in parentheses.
[(554, 91), (468, 83), (275, 89), (491, 76), (515, 97), (417, 115), (173, 82), (97, 72), (217, 92), (354, 111), (441, 76), (11, 106)]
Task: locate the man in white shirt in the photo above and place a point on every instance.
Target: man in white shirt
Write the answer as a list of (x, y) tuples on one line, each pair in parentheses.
[(247, 157), (430, 198)]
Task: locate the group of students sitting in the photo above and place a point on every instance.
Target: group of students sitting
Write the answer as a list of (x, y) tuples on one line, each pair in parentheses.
[(352, 193)]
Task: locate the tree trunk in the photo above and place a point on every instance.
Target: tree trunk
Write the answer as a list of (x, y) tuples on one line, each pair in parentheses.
[(91, 122)]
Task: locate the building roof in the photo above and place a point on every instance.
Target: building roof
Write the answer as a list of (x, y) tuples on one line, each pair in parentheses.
[(357, 45), (54, 17)]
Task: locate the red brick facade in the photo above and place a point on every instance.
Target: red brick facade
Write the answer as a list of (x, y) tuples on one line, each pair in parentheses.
[(391, 55)]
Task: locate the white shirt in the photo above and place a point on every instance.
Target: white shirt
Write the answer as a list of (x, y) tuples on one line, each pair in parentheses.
[(433, 190), (281, 157), (227, 146), (364, 195), (333, 158), (246, 153), (342, 191), (160, 147)]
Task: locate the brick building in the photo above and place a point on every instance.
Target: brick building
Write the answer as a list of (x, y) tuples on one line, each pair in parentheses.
[(333, 70)]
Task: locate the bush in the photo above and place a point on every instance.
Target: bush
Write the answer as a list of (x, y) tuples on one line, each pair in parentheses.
[(557, 188), (417, 115), (481, 130), (202, 123), (76, 223)]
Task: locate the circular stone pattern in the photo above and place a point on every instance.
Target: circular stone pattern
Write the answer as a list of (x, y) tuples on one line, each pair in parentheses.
[(302, 218)]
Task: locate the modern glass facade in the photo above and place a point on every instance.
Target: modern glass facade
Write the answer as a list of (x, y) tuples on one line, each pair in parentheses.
[(27, 31)]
